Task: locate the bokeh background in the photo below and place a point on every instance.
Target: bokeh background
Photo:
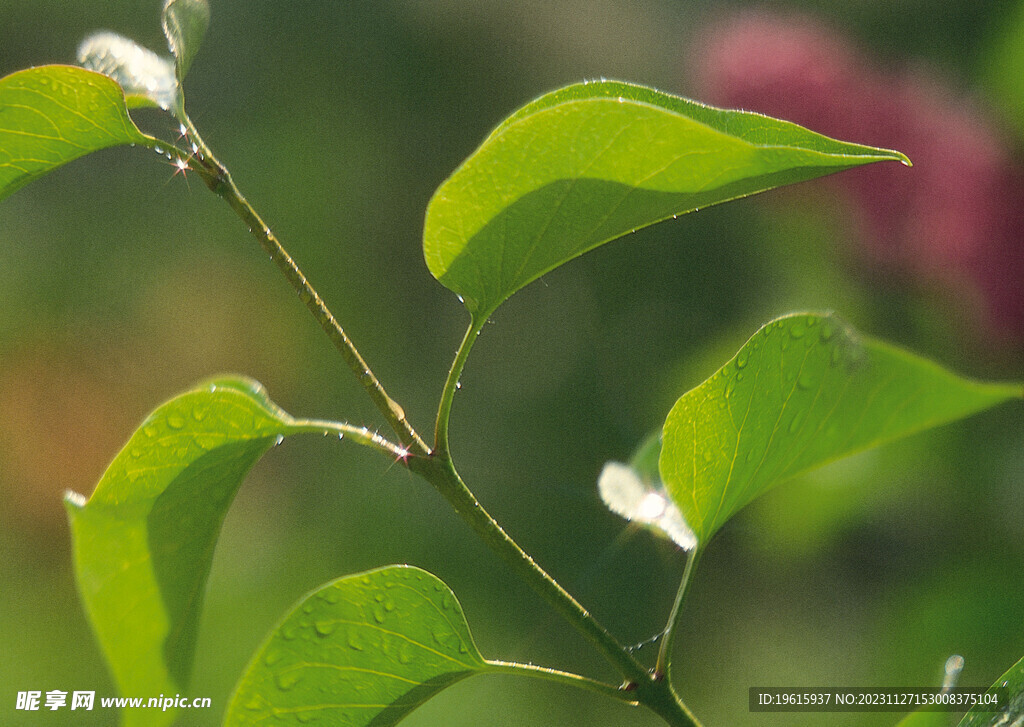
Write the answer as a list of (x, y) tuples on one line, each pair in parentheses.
[(121, 285)]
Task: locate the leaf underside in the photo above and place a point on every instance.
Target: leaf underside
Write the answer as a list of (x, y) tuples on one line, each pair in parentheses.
[(51, 115), (804, 390), (143, 542), (1013, 716), (592, 162), (363, 650)]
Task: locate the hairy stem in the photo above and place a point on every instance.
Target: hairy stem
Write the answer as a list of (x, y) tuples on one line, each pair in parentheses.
[(218, 179), (665, 652)]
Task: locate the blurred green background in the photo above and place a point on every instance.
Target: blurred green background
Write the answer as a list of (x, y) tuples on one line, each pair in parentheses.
[(121, 285)]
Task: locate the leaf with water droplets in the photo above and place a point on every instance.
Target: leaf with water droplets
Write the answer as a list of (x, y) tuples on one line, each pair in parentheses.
[(185, 23), (592, 162), (805, 390), (51, 115), (1013, 716), (147, 79), (344, 657), (144, 540)]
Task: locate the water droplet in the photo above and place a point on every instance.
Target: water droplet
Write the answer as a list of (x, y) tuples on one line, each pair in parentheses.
[(439, 637), (836, 355), (278, 439), (308, 608), (729, 388), (739, 376), (213, 388), (325, 628), (458, 384), (741, 359), (447, 602), (136, 452), (287, 680), (463, 649), (806, 381), (255, 704), (306, 717), (797, 330), (389, 605), (149, 430), (290, 631), (158, 150), (461, 299), (403, 655), (341, 435), (354, 643), (175, 421), (707, 457), (198, 413), (273, 656), (795, 424), (378, 614), (827, 331)]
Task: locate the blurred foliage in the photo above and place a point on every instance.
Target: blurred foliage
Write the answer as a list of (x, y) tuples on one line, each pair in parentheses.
[(121, 286)]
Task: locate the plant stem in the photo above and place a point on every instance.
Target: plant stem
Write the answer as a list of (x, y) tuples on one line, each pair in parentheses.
[(665, 652), (554, 675), (441, 473), (451, 385), (359, 435), (218, 179)]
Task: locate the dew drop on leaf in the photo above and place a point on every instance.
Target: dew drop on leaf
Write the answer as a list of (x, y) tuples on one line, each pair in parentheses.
[(287, 680), (175, 421), (325, 628)]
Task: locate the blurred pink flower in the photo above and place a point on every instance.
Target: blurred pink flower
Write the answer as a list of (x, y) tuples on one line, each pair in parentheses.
[(956, 217)]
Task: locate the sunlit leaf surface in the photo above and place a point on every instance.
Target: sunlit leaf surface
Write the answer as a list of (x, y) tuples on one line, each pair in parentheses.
[(51, 115), (144, 540), (589, 163), (364, 650), (804, 390)]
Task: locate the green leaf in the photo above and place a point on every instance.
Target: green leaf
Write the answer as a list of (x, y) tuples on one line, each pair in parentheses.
[(53, 114), (1013, 716), (144, 541), (804, 390), (147, 79), (595, 161), (635, 492), (364, 650), (185, 23)]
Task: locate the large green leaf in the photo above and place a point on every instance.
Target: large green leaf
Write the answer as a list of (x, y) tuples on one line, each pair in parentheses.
[(147, 79), (144, 541), (185, 23), (804, 390), (1013, 715), (53, 114), (591, 162), (364, 650)]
